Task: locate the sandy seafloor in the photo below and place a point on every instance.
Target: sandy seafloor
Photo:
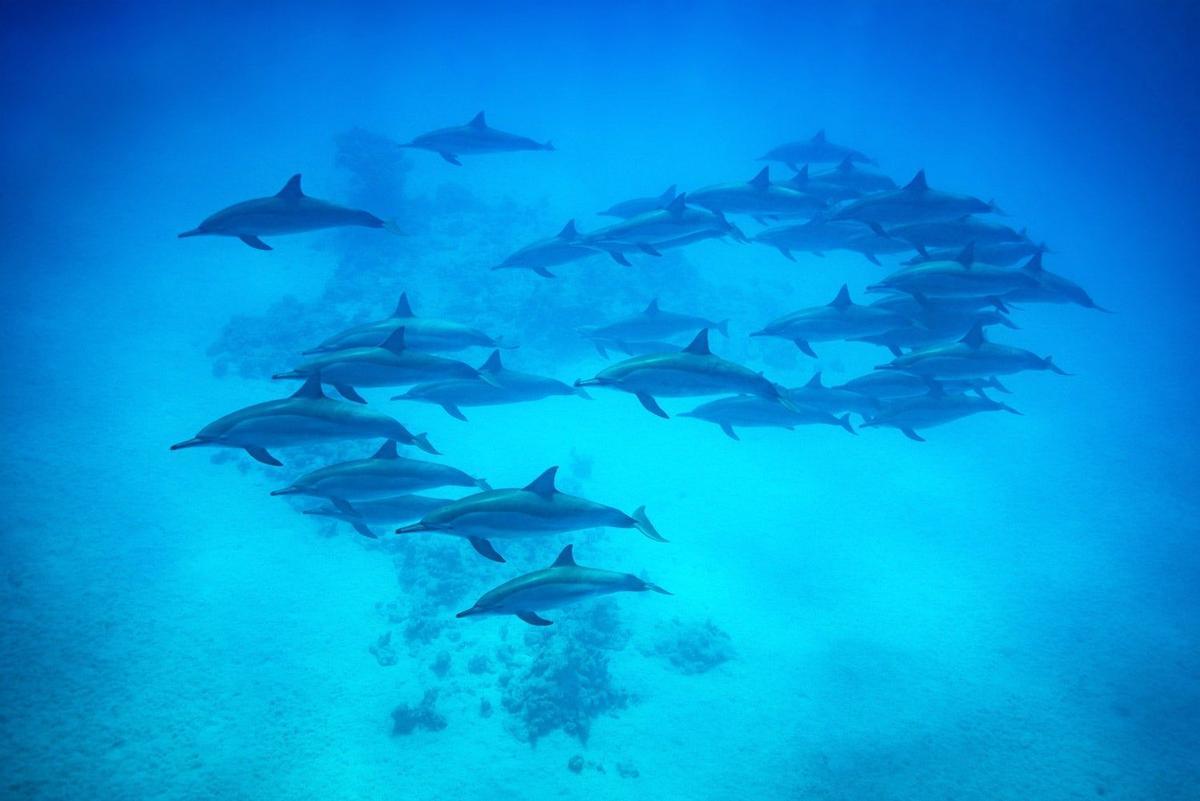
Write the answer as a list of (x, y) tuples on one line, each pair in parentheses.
[(1008, 611)]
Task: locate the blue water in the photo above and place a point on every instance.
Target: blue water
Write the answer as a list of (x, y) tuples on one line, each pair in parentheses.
[(1007, 611)]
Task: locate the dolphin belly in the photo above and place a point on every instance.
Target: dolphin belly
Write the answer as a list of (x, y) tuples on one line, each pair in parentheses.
[(550, 596), (509, 524), (282, 430)]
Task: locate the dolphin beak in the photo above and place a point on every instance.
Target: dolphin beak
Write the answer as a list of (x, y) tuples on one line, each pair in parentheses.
[(759, 334), (588, 382), (286, 491), (188, 443), (288, 374), (468, 612), (412, 529), (193, 232)]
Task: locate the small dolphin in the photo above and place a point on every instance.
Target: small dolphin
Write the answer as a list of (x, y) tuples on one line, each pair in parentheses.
[(390, 364), (639, 205), (307, 416), (828, 192), (473, 138), (289, 211), (497, 385), (631, 347), (961, 278), (1051, 288), (757, 197), (817, 150), (420, 333), (566, 246), (750, 410), (650, 323), (999, 253), (915, 202), (389, 511), (563, 583), (971, 357), (534, 510), (676, 223), (685, 373), (932, 409), (851, 176), (832, 400), (958, 232), (842, 318), (818, 236), (936, 327), (893, 384), (386, 473)]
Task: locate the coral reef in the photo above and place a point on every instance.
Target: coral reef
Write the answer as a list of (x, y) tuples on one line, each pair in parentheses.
[(690, 647), (382, 650), (406, 719)]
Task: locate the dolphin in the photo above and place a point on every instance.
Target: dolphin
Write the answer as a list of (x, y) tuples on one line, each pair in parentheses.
[(289, 211), (935, 328), (563, 583), (839, 319), (536, 509), (632, 347), (915, 202), (931, 310), (420, 333), (963, 277), (390, 364), (382, 511), (1051, 288), (685, 373), (851, 176), (473, 138), (893, 384), (932, 409), (676, 224), (497, 385), (818, 236), (639, 205), (828, 192), (971, 357), (650, 323), (999, 253), (383, 474), (307, 416), (834, 401), (750, 410), (757, 197), (817, 150), (958, 232), (566, 246)]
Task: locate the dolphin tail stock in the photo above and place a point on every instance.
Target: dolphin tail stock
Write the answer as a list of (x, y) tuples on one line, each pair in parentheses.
[(548, 145), (422, 442), (723, 327), (392, 227), (652, 587), (582, 393), (642, 523), (844, 422), (1054, 368), (995, 209)]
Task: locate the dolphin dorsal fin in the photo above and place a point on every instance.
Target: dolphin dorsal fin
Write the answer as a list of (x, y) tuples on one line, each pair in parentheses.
[(966, 256), (493, 364), (568, 232), (699, 345), (917, 184), (815, 381), (291, 189), (847, 164), (478, 121), (843, 298), (801, 177), (677, 204), (974, 337), (311, 388), (1034, 265), (762, 180), (402, 307), (651, 308), (387, 451), (394, 341), (667, 195), (820, 136), (544, 484), (566, 557)]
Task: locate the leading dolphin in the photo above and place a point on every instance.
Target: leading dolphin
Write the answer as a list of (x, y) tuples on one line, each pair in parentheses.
[(1051, 287), (963, 277), (816, 150), (536, 509), (473, 138), (564, 582), (289, 211), (915, 202), (307, 416)]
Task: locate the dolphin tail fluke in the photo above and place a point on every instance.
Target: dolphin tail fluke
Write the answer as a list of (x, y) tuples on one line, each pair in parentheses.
[(581, 392), (844, 422), (646, 585), (194, 442), (1054, 368), (643, 524), (1010, 409), (534, 619), (262, 455), (723, 327), (422, 442), (548, 145)]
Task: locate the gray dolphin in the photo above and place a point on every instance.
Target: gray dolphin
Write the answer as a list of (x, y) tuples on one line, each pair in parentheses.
[(757, 197), (829, 192), (390, 364), (675, 224), (289, 211), (818, 150), (851, 176), (652, 322), (839, 319), (632, 347), (936, 326), (689, 372), (473, 138), (534, 510), (389, 511), (963, 277), (497, 385), (639, 205), (832, 400), (307, 416), (893, 384), (818, 236), (566, 246), (957, 232), (753, 411), (915, 202), (420, 333), (1051, 288), (999, 253), (971, 357), (383, 474), (935, 408), (563, 583)]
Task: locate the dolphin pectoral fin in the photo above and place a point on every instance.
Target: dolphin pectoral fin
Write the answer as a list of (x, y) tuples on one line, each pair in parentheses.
[(787, 254), (485, 549), (619, 258), (649, 249), (255, 242), (362, 529), (871, 257), (651, 405), (583, 393), (895, 350), (454, 411), (642, 523), (349, 393), (450, 157), (263, 456), (422, 442), (543, 272), (805, 348), (729, 432), (534, 620), (646, 585), (600, 349), (913, 435)]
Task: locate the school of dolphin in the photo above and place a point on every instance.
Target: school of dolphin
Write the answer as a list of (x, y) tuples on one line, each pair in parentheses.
[(931, 315)]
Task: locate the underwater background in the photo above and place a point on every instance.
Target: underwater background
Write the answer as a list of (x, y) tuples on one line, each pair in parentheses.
[(1006, 611)]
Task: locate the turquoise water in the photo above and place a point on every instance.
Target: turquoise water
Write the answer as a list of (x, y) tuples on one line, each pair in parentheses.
[(1006, 611)]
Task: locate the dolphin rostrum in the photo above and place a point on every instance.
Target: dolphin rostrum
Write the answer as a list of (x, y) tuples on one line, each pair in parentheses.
[(473, 138)]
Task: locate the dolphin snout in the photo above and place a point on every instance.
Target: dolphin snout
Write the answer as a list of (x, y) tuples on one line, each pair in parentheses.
[(588, 382), (286, 491), (193, 232), (188, 443), (474, 610)]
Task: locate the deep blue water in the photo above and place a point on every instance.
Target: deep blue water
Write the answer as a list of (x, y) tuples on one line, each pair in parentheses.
[(1006, 611)]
